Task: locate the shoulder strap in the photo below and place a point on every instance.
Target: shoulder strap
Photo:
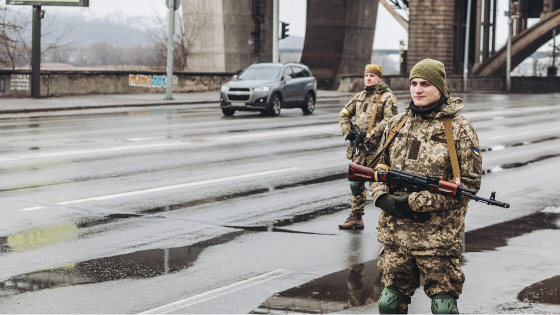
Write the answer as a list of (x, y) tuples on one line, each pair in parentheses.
[(390, 139), (374, 113), (451, 148)]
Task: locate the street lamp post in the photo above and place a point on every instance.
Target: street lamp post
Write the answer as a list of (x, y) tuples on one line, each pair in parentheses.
[(170, 28), (466, 59), (275, 19), (508, 61)]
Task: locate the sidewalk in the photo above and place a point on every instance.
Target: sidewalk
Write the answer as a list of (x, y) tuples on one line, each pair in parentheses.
[(27, 105)]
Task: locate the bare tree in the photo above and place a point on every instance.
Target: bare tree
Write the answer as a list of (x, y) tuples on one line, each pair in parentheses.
[(15, 42), (182, 42), (13, 24)]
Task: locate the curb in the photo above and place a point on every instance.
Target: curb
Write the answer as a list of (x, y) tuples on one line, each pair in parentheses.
[(53, 109)]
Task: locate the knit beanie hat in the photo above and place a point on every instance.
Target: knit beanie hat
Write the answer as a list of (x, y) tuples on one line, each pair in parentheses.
[(375, 69), (431, 70)]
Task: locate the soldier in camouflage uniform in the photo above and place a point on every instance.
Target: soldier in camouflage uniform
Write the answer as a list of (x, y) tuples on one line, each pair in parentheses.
[(378, 97), (431, 248)]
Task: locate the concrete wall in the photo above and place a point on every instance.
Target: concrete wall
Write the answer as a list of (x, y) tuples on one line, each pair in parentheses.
[(355, 83), (339, 37), (62, 83), (431, 28), (219, 31)]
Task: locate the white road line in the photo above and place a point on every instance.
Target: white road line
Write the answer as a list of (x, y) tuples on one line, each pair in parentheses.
[(129, 147), (151, 190), (167, 144), (218, 292), (524, 133)]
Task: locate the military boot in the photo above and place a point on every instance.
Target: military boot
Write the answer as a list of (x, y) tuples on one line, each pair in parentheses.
[(354, 221)]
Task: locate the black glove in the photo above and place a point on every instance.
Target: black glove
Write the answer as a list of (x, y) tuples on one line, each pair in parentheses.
[(350, 136), (361, 136), (397, 206)]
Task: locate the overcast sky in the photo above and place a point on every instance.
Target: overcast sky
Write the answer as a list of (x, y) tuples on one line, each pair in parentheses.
[(291, 11)]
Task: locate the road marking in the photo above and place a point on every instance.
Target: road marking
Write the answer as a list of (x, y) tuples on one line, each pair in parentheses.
[(174, 143), (523, 133), (129, 147), (511, 111), (218, 292), (157, 189)]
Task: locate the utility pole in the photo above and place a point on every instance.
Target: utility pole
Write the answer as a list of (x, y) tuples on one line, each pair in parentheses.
[(36, 52), (508, 62), (275, 20), (466, 59), (173, 5)]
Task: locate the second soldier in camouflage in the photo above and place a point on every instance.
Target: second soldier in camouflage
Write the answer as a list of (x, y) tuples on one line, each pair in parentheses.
[(373, 107)]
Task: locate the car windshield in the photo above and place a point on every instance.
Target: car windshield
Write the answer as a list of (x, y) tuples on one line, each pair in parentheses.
[(259, 74)]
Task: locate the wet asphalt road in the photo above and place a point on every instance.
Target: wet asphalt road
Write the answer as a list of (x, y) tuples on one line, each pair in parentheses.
[(128, 211)]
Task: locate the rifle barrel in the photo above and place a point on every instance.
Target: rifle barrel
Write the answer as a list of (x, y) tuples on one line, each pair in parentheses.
[(484, 200)]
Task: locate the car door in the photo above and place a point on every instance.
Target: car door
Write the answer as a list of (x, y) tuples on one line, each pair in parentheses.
[(289, 88), (300, 80)]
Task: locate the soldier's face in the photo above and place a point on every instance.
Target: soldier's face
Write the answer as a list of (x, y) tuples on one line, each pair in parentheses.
[(371, 79), (423, 92)]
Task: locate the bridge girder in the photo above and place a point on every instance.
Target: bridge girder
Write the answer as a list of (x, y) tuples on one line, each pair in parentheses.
[(523, 45)]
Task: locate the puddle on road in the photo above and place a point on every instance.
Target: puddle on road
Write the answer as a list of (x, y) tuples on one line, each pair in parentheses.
[(202, 201), (518, 164), (546, 291), (138, 265), (357, 286), (497, 235)]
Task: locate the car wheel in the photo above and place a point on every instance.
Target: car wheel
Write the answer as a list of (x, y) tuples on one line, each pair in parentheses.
[(309, 105), (275, 105), (228, 111)]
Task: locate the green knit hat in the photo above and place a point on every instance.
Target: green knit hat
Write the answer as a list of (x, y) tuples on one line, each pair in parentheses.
[(431, 70)]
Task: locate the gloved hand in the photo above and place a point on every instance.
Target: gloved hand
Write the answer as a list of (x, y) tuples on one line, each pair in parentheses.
[(397, 206), (350, 136), (361, 136)]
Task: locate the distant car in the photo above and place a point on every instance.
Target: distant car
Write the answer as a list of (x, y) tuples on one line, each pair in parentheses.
[(269, 87)]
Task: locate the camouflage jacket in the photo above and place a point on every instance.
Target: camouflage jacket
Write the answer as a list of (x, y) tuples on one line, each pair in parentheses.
[(420, 147), (362, 106)]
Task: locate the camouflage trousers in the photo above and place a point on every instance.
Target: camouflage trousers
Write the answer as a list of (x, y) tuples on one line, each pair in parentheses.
[(442, 274), (359, 192)]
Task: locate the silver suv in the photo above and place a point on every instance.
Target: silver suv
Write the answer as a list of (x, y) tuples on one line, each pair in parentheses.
[(269, 87)]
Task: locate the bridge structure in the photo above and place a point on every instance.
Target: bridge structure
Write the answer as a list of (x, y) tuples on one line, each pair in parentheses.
[(229, 35)]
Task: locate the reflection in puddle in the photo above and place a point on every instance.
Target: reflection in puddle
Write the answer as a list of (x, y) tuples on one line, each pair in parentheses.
[(546, 291), (137, 265), (331, 293)]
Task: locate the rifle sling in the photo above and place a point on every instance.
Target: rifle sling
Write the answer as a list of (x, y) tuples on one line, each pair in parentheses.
[(389, 140), (451, 148), (374, 114)]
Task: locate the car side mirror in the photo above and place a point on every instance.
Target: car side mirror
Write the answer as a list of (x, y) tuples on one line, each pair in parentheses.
[(287, 78), (234, 77)]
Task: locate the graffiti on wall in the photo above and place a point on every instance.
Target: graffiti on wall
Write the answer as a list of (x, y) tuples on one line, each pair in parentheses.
[(19, 82), (151, 81)]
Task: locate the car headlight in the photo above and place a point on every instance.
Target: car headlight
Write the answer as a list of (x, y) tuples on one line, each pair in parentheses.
[(261, 89), (224, 88)]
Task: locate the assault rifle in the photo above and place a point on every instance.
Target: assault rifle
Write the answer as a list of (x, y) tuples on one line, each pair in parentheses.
[(417, 183), (356, 131)]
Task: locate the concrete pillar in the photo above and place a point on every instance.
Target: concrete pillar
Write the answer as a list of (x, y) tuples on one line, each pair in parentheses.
[(217, 33), (431, 35), (339, 38)]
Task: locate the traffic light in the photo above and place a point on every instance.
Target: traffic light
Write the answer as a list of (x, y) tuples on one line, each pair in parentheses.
[(285, 30), (175, 3)]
